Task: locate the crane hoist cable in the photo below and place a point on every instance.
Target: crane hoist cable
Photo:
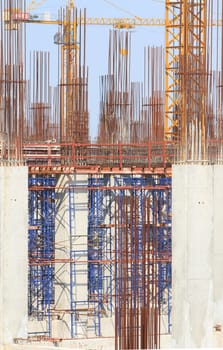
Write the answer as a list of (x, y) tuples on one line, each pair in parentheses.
[(70, 3), (34, 4), (161, 1), (121, 9)]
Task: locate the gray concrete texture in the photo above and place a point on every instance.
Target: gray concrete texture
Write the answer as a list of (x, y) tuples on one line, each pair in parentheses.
[(13, 253), (78, 344), (197, 317)]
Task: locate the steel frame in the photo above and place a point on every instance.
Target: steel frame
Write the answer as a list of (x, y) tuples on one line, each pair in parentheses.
[(186, 75), (128, 256), (41, 248), (173, 19), (100, 271)]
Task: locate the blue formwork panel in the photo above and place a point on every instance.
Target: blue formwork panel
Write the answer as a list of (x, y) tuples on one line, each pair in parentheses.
[(99, 249), (41, 246)]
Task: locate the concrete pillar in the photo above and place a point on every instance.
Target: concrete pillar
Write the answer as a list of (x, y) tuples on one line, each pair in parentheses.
[(197, 255), (13, 253), (218, 254), (71, 242), (80, 254)]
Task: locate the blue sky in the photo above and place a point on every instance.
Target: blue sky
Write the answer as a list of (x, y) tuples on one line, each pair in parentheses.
[(40, 37)]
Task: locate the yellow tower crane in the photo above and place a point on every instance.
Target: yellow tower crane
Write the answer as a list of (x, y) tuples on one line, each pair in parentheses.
[(69, 69), (186, 26)]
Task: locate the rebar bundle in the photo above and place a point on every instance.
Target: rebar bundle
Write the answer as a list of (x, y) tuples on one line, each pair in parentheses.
[(153, 98), (131, 112), (38, 118), (115, 91), (143, 257), (74, 77), (12, 81)]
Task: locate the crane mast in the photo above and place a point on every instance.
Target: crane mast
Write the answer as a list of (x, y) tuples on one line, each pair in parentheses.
[(73, 86), (186, 25)]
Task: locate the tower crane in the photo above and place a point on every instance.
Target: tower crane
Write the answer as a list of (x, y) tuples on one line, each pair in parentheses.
[(117, 22)]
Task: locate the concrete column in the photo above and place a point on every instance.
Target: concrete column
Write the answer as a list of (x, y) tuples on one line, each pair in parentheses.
[(71, 242), (13, 253), (80, 254), (61, 323), (218, 254), (194, 228)]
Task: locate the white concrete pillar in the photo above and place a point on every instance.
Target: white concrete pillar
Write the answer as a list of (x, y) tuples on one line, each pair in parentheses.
[(71, 242), (195, 199), (218, 254), (80, 254), (61, 323), (13, 253)]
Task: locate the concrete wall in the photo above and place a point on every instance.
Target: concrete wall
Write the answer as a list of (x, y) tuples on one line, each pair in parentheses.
[(197, 255), (13, 253)]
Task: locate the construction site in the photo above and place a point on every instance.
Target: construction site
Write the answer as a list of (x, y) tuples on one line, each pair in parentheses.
[(115, 243)]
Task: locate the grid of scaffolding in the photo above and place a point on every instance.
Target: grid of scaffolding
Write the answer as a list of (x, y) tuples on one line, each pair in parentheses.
[(41, 247), (100, 250), (128, 256)]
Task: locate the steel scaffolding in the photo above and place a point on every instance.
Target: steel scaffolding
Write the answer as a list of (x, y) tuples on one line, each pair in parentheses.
[(127, 256), (78, 260), (41, 247), (100, 273)]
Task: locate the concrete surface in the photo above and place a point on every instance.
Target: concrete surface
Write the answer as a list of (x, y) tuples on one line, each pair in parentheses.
[(197, 294), (70, 242), (13, 253), (79, 344)]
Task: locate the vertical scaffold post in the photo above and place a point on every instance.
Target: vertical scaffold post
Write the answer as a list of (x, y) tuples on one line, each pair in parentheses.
[(41, 246), (73, 316), (99, 251)]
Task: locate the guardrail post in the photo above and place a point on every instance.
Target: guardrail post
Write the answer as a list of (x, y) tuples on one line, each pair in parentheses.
[(120, 155), (149, 155), (73, 154)]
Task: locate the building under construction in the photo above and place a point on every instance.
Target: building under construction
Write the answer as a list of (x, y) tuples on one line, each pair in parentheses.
[(117, 243)]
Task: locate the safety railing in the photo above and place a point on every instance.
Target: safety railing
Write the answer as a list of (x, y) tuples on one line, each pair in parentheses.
[(88, 156)]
